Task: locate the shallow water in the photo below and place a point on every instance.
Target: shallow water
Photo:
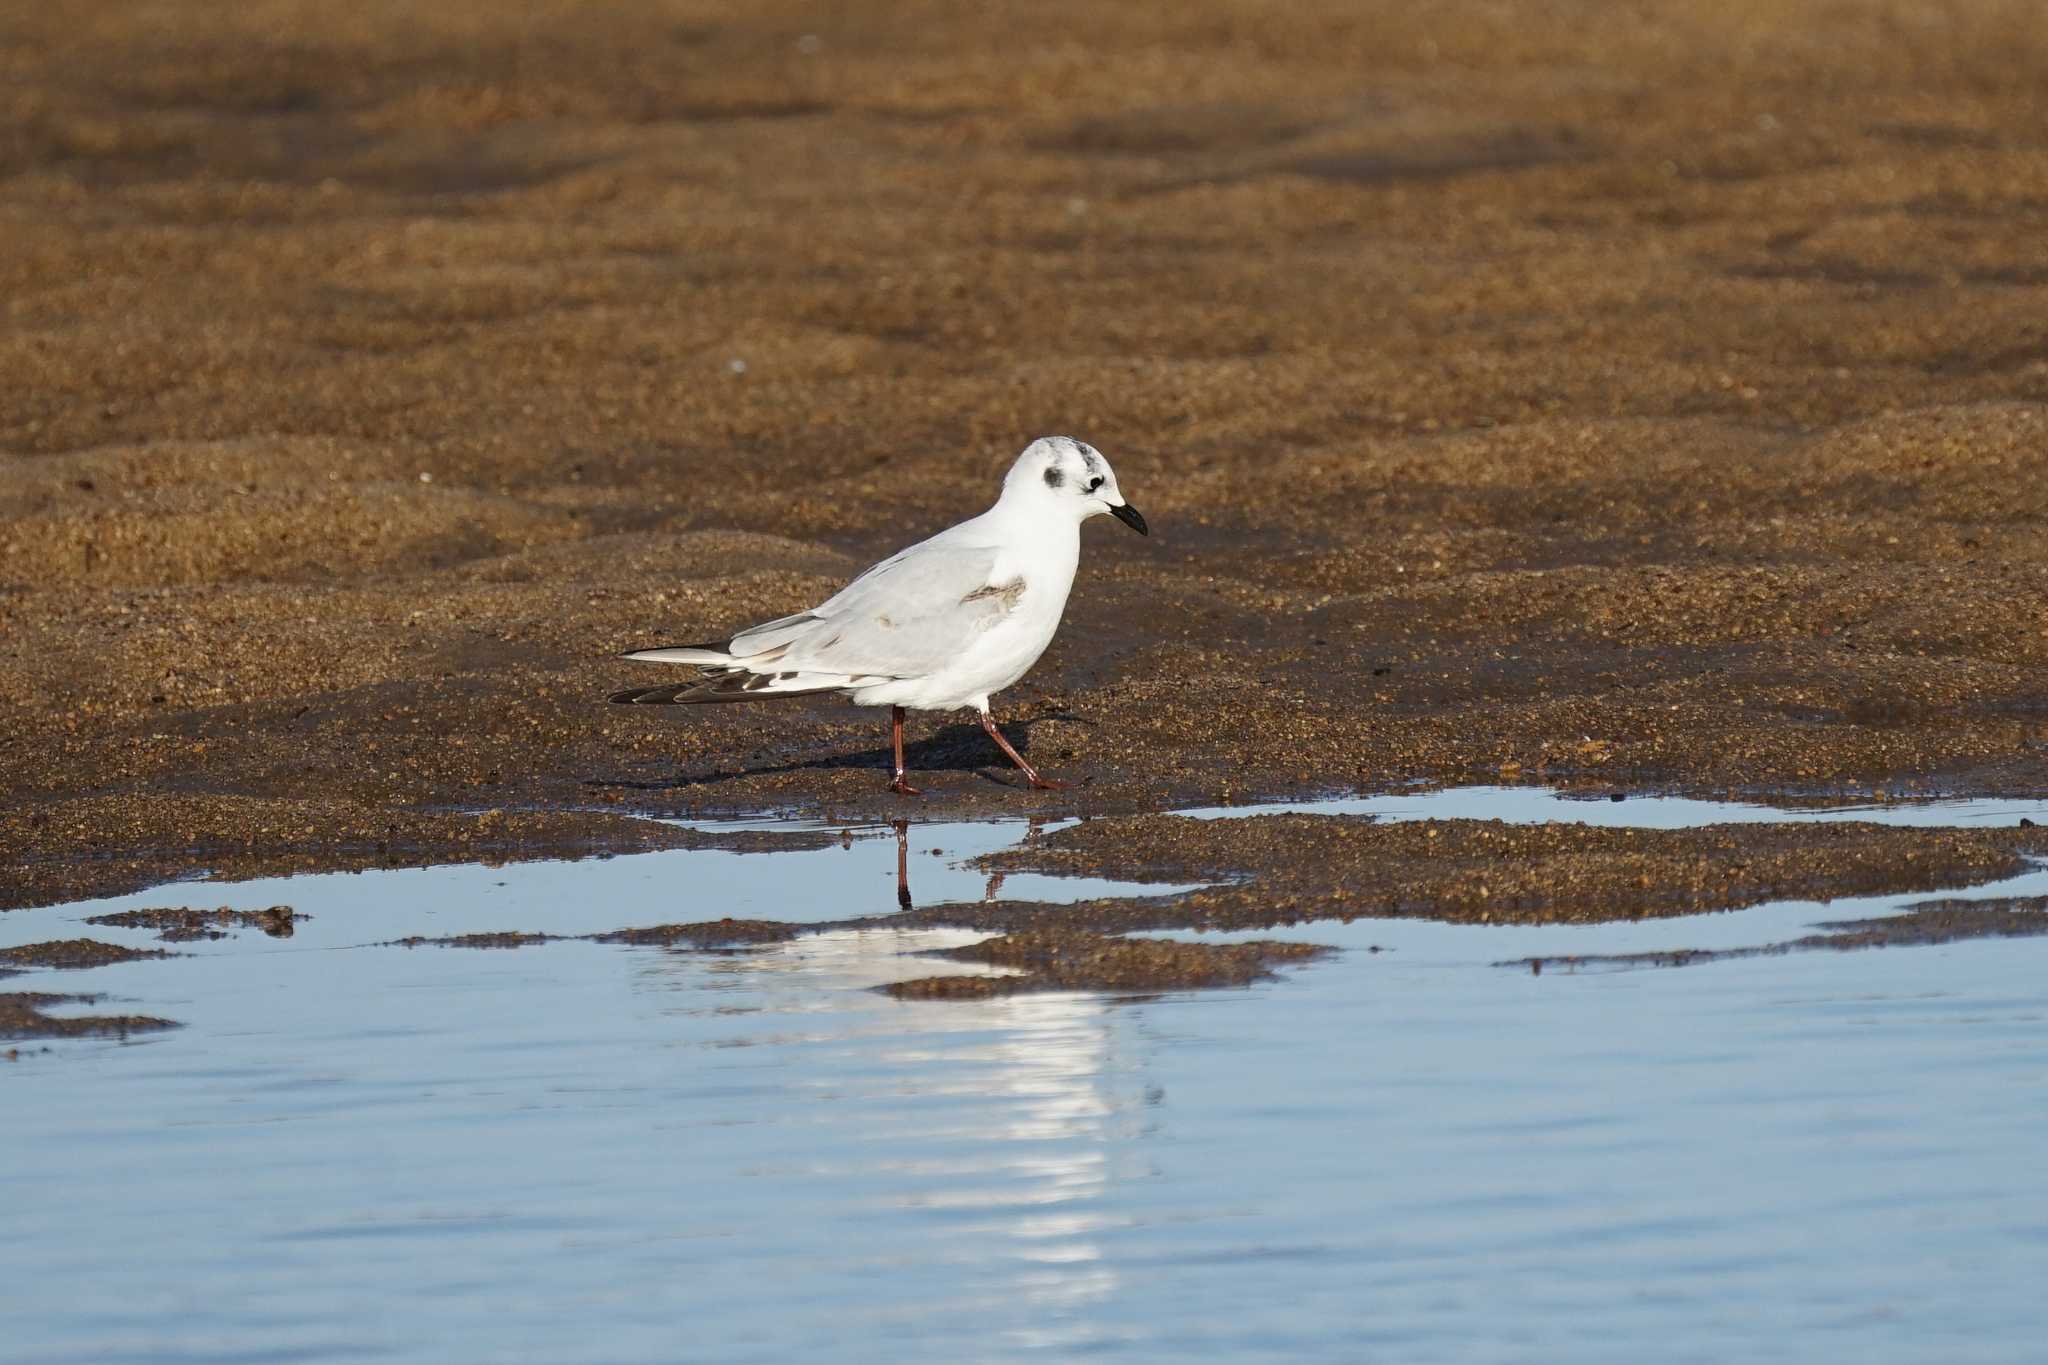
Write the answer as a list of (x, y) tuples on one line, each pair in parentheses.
[(579, 1152), (1539, 805)]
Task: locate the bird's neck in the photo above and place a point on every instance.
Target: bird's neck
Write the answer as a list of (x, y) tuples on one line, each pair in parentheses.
[(1044, 533), (1031, 516)]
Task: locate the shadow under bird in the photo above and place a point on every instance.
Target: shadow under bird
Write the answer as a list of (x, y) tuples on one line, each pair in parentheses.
[(935, 627)]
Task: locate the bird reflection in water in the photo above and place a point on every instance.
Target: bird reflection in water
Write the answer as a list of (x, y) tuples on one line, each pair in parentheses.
[(903, 863), (1034, 830)]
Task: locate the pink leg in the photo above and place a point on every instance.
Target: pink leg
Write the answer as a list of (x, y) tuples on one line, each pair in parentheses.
[(988, 723), (899, 786)]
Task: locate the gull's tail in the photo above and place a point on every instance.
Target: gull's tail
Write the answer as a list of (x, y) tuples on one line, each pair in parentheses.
[(726, 678)]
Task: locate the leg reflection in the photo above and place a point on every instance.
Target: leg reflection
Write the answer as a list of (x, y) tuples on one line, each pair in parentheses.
[(903, 863)]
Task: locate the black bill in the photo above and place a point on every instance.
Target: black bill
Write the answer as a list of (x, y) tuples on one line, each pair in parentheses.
[(1128, 515)]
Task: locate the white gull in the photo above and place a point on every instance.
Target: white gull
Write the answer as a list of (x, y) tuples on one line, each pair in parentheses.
[(935, 627)]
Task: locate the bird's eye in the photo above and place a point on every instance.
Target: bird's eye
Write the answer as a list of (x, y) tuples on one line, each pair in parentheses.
[(1094, 483)]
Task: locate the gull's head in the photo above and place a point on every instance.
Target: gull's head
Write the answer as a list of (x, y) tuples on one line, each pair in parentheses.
[(1061, 472)]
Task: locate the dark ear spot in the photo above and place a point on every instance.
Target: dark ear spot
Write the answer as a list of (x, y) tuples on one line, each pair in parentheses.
[(1052, 477)]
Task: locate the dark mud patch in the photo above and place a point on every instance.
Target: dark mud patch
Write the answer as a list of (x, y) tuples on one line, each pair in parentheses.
[(1289, 868), (1510, 150), (75, 954), (1075, 960), (178, 925), (22, 1016), (1175, 130), (1925, 925), (709, 933), (510, 938), (105, 845), (1054, 957), (704, 934), (763, 840)]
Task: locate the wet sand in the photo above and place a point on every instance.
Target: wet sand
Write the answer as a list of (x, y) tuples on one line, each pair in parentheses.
[(21, 1016), (1649, 398), (1482, 871)]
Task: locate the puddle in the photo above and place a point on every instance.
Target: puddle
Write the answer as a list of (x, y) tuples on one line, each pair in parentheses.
[(856, 876), (583, 1151), (1538, 805)]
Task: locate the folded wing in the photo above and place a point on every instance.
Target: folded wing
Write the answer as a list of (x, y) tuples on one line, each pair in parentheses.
[(907, 617)]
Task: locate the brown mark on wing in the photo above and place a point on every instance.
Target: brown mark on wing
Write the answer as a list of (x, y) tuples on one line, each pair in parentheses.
[(1009, 594)]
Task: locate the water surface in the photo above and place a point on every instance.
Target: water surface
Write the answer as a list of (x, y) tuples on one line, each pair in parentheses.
[(582, 1152)]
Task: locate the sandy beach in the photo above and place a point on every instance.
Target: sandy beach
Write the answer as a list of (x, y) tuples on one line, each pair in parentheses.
[(1646, 398)]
